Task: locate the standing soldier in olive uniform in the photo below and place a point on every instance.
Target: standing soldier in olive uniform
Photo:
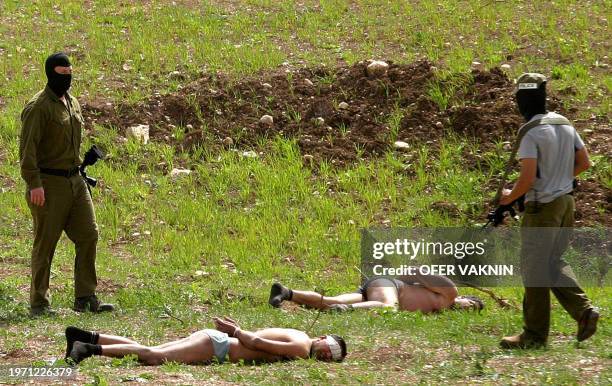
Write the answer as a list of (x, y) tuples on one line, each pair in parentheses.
[(56, 193), (552, 154)]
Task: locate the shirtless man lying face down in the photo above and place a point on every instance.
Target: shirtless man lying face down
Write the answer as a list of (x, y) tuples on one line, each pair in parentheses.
[(414, 293), (227, 341)]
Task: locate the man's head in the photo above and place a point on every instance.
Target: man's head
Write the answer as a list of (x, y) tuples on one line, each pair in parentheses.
[(468, 303), (59, 73), (531, 94), (328, 348)]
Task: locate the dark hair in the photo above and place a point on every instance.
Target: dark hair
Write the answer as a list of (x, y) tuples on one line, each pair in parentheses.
[(342, 344), (475, 299), (532, 102)]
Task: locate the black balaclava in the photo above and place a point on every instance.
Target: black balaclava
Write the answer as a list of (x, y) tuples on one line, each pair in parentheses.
[(532, 102), (59, 83)]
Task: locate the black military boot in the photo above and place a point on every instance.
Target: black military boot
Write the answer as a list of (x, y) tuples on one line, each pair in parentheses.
[(92, 304)]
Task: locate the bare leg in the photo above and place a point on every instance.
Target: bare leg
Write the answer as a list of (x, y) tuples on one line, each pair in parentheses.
[(195, 348), (315, 300), (380, 297), (105, 339), (373, 304), (195, 335)]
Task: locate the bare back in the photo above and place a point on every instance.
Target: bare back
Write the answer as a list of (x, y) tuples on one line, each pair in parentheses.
[(239, 352), (418, 298)]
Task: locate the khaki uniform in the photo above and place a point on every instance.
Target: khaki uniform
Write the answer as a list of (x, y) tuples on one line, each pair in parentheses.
[(543, 268), (51, 139)]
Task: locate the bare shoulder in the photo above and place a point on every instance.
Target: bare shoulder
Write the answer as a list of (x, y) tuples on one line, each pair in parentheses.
[(282, 334)]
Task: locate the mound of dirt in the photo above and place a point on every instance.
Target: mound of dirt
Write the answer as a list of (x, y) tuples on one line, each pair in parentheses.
[(336, 114), (339, 114)]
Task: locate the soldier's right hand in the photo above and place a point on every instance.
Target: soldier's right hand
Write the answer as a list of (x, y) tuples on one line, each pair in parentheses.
[(37, 196)]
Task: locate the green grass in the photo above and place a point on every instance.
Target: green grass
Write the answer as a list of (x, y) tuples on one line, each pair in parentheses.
[(211, 243)]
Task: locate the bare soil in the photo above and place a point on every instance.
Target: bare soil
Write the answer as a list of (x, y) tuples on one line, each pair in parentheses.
[(305, 104)]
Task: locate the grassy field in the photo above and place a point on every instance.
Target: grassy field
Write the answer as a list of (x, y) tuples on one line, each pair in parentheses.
[(175, 252)]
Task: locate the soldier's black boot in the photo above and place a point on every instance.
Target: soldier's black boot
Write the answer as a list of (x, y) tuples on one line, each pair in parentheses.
[(92, 304)]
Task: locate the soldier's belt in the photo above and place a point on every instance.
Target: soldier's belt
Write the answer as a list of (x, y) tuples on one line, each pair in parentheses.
[(60, 172)]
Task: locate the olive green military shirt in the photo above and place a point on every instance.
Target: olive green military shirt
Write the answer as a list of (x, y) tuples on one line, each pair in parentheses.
[(50, 135)]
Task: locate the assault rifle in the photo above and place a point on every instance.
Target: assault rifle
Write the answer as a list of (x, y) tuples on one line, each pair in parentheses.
[(496, 216), (91, 157)]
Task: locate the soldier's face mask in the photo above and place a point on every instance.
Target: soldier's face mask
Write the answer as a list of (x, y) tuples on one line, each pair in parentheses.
[(59, 83), (531, 102)]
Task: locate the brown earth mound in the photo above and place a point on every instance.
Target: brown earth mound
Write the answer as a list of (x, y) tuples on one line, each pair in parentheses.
[(342, 114), (213, 108)]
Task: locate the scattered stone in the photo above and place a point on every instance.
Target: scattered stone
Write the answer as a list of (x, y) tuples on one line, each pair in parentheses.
[(401, 145), (505, 66), (249, 154), (477, 66), (176, 75), (228, 141), (377, 68), (587, 131), (308, 82), (319, 121), (507, 146), (266, 85), (308, 158), (176, 172), (439, 125), (189, 127), (343, 105), (139, 132), (266, 120)]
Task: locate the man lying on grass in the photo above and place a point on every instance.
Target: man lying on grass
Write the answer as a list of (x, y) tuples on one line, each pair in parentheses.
[(406, 293), (227, 341)]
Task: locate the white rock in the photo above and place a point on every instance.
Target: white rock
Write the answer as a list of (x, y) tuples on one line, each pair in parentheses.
[(140, 132), (507, 146), (377, 68), (308, 158), (228, 141), (249, 154), (343, 105), (308, 82), (505, 66), (401, 145), (266, 85), (176, 172), (439, 125), (319, 121), (267, 120), (477, 66)]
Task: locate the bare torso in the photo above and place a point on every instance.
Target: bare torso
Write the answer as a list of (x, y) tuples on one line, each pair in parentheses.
[(418, 298), (239, 352)]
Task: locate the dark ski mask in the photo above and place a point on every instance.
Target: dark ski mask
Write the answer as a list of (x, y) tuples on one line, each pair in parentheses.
[(532, 102), (59, 83)]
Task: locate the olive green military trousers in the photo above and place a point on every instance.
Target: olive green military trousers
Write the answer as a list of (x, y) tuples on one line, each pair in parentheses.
[(68, 207), (545, 236)]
